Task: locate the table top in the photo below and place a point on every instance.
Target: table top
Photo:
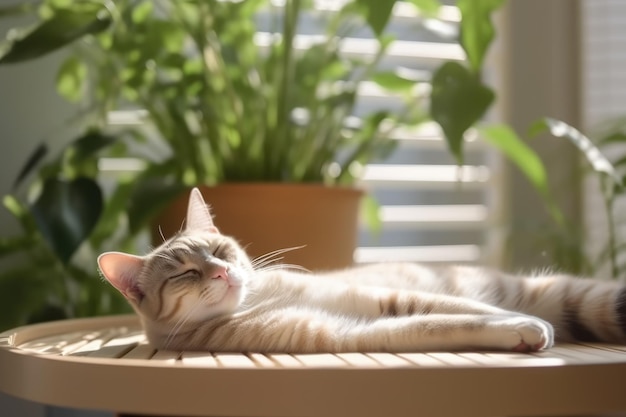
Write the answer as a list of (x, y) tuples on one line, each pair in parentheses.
[(106, 363)]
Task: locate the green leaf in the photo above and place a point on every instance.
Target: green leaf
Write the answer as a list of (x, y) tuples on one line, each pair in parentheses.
[(392, 81), (59, 4), (507, 142), (31, 162), (80, 157), (89, 144), (458, 100), (414, 114), (61, 29), (428, 7), (20, 212), (368, 144), (71, 79), (377, 13), (115, 206), (477, 31), (142, 11), (370, 213), (66, 213), (596, 159)]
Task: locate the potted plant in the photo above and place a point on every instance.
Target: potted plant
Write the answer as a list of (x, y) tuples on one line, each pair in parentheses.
[(264, 124)]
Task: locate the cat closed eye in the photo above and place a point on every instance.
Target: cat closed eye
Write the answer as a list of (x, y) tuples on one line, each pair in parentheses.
[(190, 273), (216, 251)]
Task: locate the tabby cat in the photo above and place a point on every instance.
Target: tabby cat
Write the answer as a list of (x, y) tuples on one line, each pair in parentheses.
[(200, 291)]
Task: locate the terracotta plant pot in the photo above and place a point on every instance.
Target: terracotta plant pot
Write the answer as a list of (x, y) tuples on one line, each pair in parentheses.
[(267, 217)]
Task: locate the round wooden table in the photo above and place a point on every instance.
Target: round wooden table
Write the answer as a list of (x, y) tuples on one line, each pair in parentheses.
[(105, 363)]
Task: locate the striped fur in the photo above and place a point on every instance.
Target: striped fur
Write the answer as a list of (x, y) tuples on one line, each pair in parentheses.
[(200, 291)]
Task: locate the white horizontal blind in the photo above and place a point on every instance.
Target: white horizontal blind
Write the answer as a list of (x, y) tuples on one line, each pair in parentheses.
[(431, 210)]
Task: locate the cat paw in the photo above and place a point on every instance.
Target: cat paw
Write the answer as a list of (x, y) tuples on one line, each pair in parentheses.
[(525, 334)]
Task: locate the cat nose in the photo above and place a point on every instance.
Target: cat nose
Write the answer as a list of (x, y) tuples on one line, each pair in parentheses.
[(218, 272)]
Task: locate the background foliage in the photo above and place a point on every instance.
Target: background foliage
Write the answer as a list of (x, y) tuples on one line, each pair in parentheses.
[(224, 109), (219, 107)]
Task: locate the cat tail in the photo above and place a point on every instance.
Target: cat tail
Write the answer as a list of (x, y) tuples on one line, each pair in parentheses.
[(579, 309)]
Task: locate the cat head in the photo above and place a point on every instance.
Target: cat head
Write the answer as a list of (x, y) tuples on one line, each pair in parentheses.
[(195, 275)]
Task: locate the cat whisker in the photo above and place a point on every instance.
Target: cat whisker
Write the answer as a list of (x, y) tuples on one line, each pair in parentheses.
[(284, 266), (268, 262), (267, 255), (161, 233), (273, 257), (261, 265), (182, 226), (275, 253)]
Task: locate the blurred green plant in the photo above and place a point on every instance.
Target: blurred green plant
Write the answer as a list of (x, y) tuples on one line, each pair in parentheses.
[(611, 178), (43, 277), (459, 102), (221, 105), (226, 108)]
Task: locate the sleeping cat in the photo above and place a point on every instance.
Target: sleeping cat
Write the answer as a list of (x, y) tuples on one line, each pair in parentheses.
[(200, 291)]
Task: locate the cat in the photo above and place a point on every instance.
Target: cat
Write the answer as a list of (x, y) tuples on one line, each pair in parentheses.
[(200, 291)]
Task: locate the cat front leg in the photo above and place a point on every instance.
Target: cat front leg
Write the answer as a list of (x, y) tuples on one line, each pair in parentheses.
[(453, 333), (372, 304), (301, 331)]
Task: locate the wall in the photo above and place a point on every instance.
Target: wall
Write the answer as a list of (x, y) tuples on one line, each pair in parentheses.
[(539, 58)]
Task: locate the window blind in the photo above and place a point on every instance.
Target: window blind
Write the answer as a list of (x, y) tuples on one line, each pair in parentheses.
[(604, 95), (430, 209)]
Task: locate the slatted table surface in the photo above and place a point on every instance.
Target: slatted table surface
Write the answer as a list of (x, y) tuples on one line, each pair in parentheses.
[(106, 363)]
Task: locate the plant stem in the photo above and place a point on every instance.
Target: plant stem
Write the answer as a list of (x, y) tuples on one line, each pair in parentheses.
[(290, 23)]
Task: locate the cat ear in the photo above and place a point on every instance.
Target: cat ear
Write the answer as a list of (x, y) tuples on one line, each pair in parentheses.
[(122, 271), (198, 215)]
